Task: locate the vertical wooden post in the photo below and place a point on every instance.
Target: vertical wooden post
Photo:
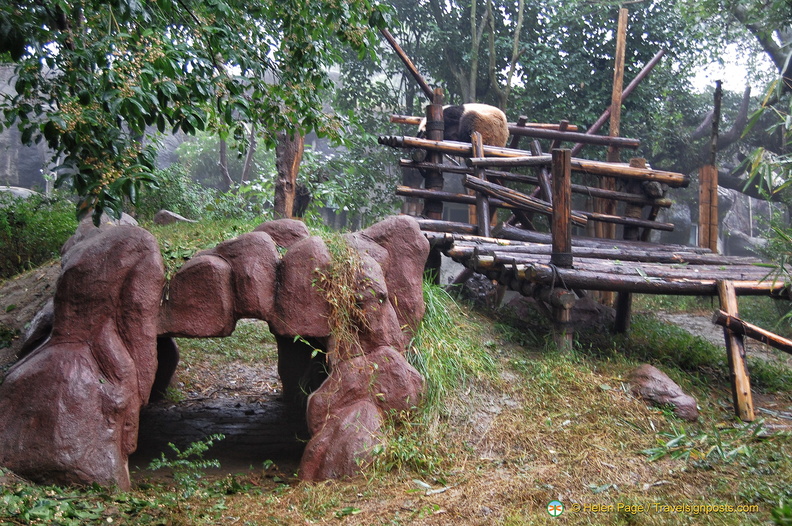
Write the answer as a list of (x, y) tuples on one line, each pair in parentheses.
[(433, 179), (631, 233), (708, 185), (433, 209), (482, 201), (561, 233), (735, 349), (608, 230)]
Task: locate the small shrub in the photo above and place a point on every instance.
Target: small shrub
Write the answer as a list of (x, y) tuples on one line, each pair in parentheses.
[(32, 231), (189, 465), (176, 192)]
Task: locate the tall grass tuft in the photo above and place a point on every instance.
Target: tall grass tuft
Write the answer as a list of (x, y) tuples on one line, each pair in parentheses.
[(447, 349)]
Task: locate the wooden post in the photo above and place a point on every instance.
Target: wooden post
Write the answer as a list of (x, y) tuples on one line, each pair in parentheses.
[(631, 233), (605, 230), (708, 185), (433, 209), (482, 200), (735, 349), (561, 231), (594, 128), (433, 179)]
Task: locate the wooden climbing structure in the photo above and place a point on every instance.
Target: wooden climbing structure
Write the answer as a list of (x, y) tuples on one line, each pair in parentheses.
[(574, 250)]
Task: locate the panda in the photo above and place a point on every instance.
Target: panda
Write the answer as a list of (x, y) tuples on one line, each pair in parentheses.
[(461, 121)]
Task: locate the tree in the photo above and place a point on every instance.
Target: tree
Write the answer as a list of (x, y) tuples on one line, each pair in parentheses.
[(98, 80)]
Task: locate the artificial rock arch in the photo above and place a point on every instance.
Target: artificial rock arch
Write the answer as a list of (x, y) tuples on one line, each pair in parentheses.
[(69, 410)]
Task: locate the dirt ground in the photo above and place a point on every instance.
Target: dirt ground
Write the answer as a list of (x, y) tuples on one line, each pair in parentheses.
[(20, 299)]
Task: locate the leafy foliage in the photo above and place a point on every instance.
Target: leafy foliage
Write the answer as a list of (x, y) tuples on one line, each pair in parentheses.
[(718, 444), (32, 231), (96, 81), (188, 465)]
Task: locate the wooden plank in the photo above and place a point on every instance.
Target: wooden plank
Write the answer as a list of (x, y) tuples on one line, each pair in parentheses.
[(598, 280), (569, 136), (735, 348), (739, 326), (519, 234), (505, 159)]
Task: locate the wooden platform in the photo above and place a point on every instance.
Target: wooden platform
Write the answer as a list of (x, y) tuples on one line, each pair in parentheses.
[(612, 265)]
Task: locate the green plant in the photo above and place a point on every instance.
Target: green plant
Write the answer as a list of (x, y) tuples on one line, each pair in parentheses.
[(446, 349), (719, 444), (176, 192), (32, 231), (782, 514), (343, 284), (188, 466)]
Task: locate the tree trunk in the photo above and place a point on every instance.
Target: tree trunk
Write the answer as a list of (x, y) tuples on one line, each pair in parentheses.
[(225, 177), (248, 168), (288, 155)]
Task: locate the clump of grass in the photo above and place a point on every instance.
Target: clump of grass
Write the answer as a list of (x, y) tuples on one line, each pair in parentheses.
[(343, 283), (447, 348), (180, 241)]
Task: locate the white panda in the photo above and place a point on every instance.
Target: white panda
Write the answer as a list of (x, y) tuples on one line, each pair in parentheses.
[(461, 121)]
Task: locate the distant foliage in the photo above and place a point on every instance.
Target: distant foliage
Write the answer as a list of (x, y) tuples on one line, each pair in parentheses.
[(32, 231), (179, 193)]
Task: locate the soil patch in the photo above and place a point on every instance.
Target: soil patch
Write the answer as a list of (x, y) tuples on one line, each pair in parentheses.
[(20, 299)]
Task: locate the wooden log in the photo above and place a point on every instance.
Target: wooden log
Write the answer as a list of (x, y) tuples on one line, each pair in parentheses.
[(596, 280), (482, 199), (708, 207), (621, 220), (556, 297), (448, 197), (518, 234), (638, 199), (735, 348), (626, 93), (569, 136), (516, 198), (408, 63), (562, 127), (617, 255), (561, 224), (646, 271), (515, 140), (543, 175), (739, 326), (434, 225), (510, 162), (708, 184), (415, 121), (433, 179), (584, 165)]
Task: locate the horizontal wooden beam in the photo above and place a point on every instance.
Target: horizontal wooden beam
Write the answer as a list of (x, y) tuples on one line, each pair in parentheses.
[(739, 326), (415, 121), (638, 199), (601, 140)]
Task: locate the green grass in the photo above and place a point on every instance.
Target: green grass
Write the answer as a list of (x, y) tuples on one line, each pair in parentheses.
[(507, 424)]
